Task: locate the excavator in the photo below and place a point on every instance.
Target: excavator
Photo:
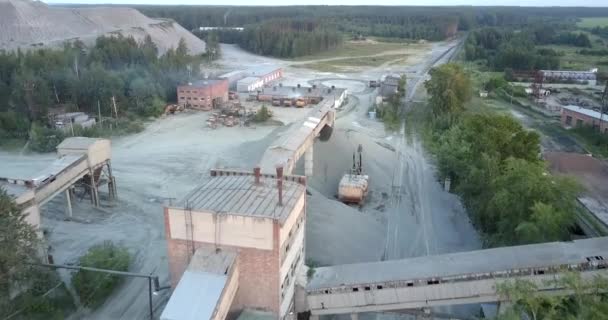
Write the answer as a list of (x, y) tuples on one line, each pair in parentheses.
[(354, 185)]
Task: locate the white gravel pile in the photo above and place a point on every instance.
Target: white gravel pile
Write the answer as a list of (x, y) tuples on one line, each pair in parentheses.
[(28, 24)]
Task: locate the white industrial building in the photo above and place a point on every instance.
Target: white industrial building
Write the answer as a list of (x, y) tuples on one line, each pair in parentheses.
[(249, 84)]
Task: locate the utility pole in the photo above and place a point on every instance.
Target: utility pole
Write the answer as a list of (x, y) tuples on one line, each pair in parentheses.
[(115, 109), (99, 111), (153, 283), (604, 104)]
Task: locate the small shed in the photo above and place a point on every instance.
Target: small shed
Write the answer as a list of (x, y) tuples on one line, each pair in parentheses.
[(98, 150)]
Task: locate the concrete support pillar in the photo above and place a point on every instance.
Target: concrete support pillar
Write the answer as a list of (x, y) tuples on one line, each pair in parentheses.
[(94, 194), (354, 316), (308, 162), (68, 199)]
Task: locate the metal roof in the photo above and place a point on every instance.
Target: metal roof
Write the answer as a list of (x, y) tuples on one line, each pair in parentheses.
[(239, 195), (295, 92), (204, 82), (12, 189), (248, 80), (587, 112), (462, 263), (195, 297), (77, 143), (200, 288), (581, 75), (262, 70), (59, 165)]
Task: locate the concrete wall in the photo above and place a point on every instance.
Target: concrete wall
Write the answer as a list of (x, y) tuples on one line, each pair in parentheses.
[(61, 182), (202, 96), (258, 266), (225, 229), (228, 294), (395, 296), (586, 120), (97, 153)]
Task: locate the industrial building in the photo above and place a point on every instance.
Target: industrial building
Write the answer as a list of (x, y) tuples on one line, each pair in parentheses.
[(211, 280), (253, 78), (300, 96), (82, 162), (575, 117), (249, 84), (204, 94), (258, 216), (66, 121), (581, 77), (389, 86)]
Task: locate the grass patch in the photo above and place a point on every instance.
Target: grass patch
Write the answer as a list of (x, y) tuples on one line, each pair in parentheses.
[(351, 64), (363, 48), (572, 60), (593, 22)]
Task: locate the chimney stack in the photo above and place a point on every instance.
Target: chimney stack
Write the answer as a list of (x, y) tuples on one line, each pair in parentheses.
[(280, 184), (256, 172)]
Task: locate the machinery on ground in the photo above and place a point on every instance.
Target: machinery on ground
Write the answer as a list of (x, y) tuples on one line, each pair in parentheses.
[(354, 185)]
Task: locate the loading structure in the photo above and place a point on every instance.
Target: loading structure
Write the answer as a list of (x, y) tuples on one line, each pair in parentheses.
[(83, 164)]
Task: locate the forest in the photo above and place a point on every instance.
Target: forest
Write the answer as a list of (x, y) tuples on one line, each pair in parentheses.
[(289, 38), (494, 165), (509, 49), (116, 70)]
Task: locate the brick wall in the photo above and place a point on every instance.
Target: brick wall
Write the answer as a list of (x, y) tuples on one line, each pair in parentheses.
[(202, 96), (574, 119), (259, 285)]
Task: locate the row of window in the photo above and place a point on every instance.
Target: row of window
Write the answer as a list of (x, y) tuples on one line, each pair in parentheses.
[(293, 231), (579, 123), (592, 263), (194, 98), (188, 91), (291, 274)]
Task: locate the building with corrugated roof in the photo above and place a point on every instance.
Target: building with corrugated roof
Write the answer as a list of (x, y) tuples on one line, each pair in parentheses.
[(576, 117), (261, 217)]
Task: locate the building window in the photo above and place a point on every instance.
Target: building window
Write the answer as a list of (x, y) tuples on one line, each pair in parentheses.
[(182, 98), (579, 123), (568, 120)]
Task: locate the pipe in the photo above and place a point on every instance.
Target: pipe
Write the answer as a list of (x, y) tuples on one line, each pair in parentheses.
[(280, 184), (256, 172)]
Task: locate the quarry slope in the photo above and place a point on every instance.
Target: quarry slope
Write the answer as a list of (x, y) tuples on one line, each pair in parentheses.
[(28, 24)]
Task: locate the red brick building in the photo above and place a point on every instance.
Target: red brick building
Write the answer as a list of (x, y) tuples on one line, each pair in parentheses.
[(254, 216), (574, 117), (203, 94)]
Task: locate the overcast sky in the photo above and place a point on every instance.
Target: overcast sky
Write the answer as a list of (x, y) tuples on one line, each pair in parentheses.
[(587, 3)]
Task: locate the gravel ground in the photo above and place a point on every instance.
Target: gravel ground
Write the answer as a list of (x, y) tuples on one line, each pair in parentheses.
[(174, 154)]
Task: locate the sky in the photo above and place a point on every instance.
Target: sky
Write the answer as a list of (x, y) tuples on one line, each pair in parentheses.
[(579, 3)]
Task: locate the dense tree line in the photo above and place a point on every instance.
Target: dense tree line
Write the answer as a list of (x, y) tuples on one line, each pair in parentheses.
[(504, 49), (193, 17), (116, 71), (600, 31), (587, 299), (494, 165), (289, 38)]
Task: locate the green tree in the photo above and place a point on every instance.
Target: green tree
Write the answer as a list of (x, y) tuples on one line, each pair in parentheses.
[(586, 299), (94, 287), (449, 89), (18, 246)]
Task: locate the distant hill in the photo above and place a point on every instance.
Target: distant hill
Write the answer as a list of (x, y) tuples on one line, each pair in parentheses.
[(28, 24)]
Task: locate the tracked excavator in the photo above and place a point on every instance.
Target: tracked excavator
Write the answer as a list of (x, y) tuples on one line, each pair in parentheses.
[(354, 185)]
